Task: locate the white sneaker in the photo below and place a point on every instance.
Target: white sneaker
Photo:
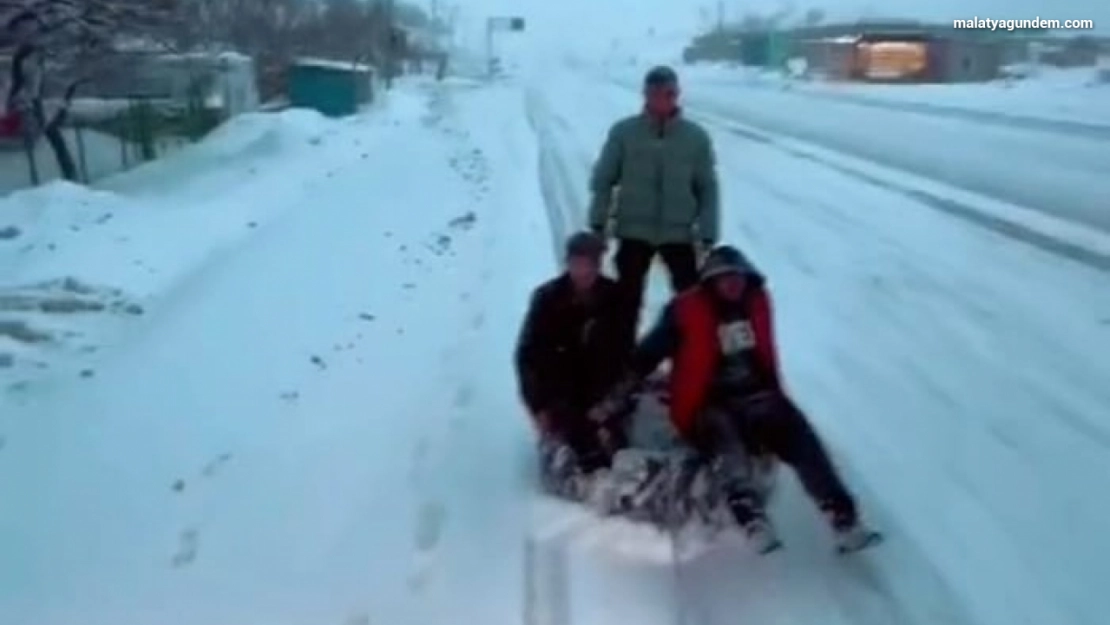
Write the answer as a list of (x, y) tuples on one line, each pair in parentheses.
[(762, 536)]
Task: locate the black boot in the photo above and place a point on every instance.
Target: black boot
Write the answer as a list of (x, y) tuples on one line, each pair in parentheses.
[(757, 526)]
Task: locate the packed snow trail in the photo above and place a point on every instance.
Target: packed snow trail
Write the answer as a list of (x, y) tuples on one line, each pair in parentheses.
[(316, 429), (956, 373)]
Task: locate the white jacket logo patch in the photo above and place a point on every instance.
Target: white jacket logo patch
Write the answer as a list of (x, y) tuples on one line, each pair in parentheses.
[(735, 337)]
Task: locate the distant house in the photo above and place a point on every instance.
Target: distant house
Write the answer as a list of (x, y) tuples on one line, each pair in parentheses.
[(897, 51), (223, 82)]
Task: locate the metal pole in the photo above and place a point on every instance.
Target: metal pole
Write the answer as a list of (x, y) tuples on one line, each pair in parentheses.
[(489, 46), (390, 44)]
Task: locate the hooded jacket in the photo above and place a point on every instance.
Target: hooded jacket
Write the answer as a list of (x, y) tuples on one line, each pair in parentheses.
[(719, 350)]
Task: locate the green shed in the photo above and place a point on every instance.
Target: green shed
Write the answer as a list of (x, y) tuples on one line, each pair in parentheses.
[(333, 88), (767, 49)]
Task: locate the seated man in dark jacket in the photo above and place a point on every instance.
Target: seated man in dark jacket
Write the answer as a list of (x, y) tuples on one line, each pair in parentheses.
[(727, 400), (568, 356)]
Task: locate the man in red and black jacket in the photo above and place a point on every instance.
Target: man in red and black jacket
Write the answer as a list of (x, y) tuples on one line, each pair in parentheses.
[(727, 399)]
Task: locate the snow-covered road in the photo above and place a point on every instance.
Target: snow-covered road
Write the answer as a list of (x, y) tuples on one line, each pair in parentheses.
[(315, 428), (1061, 172), (955, 370)]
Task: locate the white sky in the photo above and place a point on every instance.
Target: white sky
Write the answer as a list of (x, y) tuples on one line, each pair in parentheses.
[(581, 24)]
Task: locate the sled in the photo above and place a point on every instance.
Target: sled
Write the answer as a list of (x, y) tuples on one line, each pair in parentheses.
[(657, 480)]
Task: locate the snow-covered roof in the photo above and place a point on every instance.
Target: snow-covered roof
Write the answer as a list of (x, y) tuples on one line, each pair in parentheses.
[(226, 57), (346, 66)]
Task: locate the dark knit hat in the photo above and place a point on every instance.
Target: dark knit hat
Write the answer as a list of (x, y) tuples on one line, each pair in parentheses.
[(725, 259), (585, 244), (660, 76)]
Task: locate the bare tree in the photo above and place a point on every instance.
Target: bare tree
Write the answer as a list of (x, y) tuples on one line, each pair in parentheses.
[(813, 17), (60, 45), (275, 32)]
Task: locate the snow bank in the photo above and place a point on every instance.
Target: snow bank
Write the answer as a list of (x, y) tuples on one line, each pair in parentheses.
[(239, 147), (76, 262)]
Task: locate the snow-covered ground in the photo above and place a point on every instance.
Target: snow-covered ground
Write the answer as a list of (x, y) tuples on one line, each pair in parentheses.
[(311, 423), (73, 261), (314, 420), (955, 372)]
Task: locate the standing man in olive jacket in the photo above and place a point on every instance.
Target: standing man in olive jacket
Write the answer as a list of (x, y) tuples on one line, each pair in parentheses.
[(657, 176)]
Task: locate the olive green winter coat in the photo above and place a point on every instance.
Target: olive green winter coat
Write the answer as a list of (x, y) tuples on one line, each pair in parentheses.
[(662, 180)]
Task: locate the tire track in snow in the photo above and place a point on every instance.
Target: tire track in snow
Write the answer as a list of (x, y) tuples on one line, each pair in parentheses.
[(1008, 228), (869, 589), (934, 590), (564, 199)]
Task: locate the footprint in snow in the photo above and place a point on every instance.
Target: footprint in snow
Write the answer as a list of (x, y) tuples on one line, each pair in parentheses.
[(464, 222), (319, 362), (429, 529), (429, 525), (464, 396), (418, 461), (188, 545), (477, 321), (214, 466), (419, 579)]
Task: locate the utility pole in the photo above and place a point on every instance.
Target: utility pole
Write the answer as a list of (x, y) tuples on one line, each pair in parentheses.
[(720, 15), (390, 43)]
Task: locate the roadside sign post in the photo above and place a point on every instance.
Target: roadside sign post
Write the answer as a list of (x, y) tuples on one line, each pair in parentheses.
[(502, 24)]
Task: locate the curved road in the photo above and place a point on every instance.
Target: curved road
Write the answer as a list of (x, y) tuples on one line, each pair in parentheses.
[(1062, 174)]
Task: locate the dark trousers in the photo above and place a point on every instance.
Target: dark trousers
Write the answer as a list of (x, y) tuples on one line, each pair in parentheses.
[(633, 260), (770, 423)]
